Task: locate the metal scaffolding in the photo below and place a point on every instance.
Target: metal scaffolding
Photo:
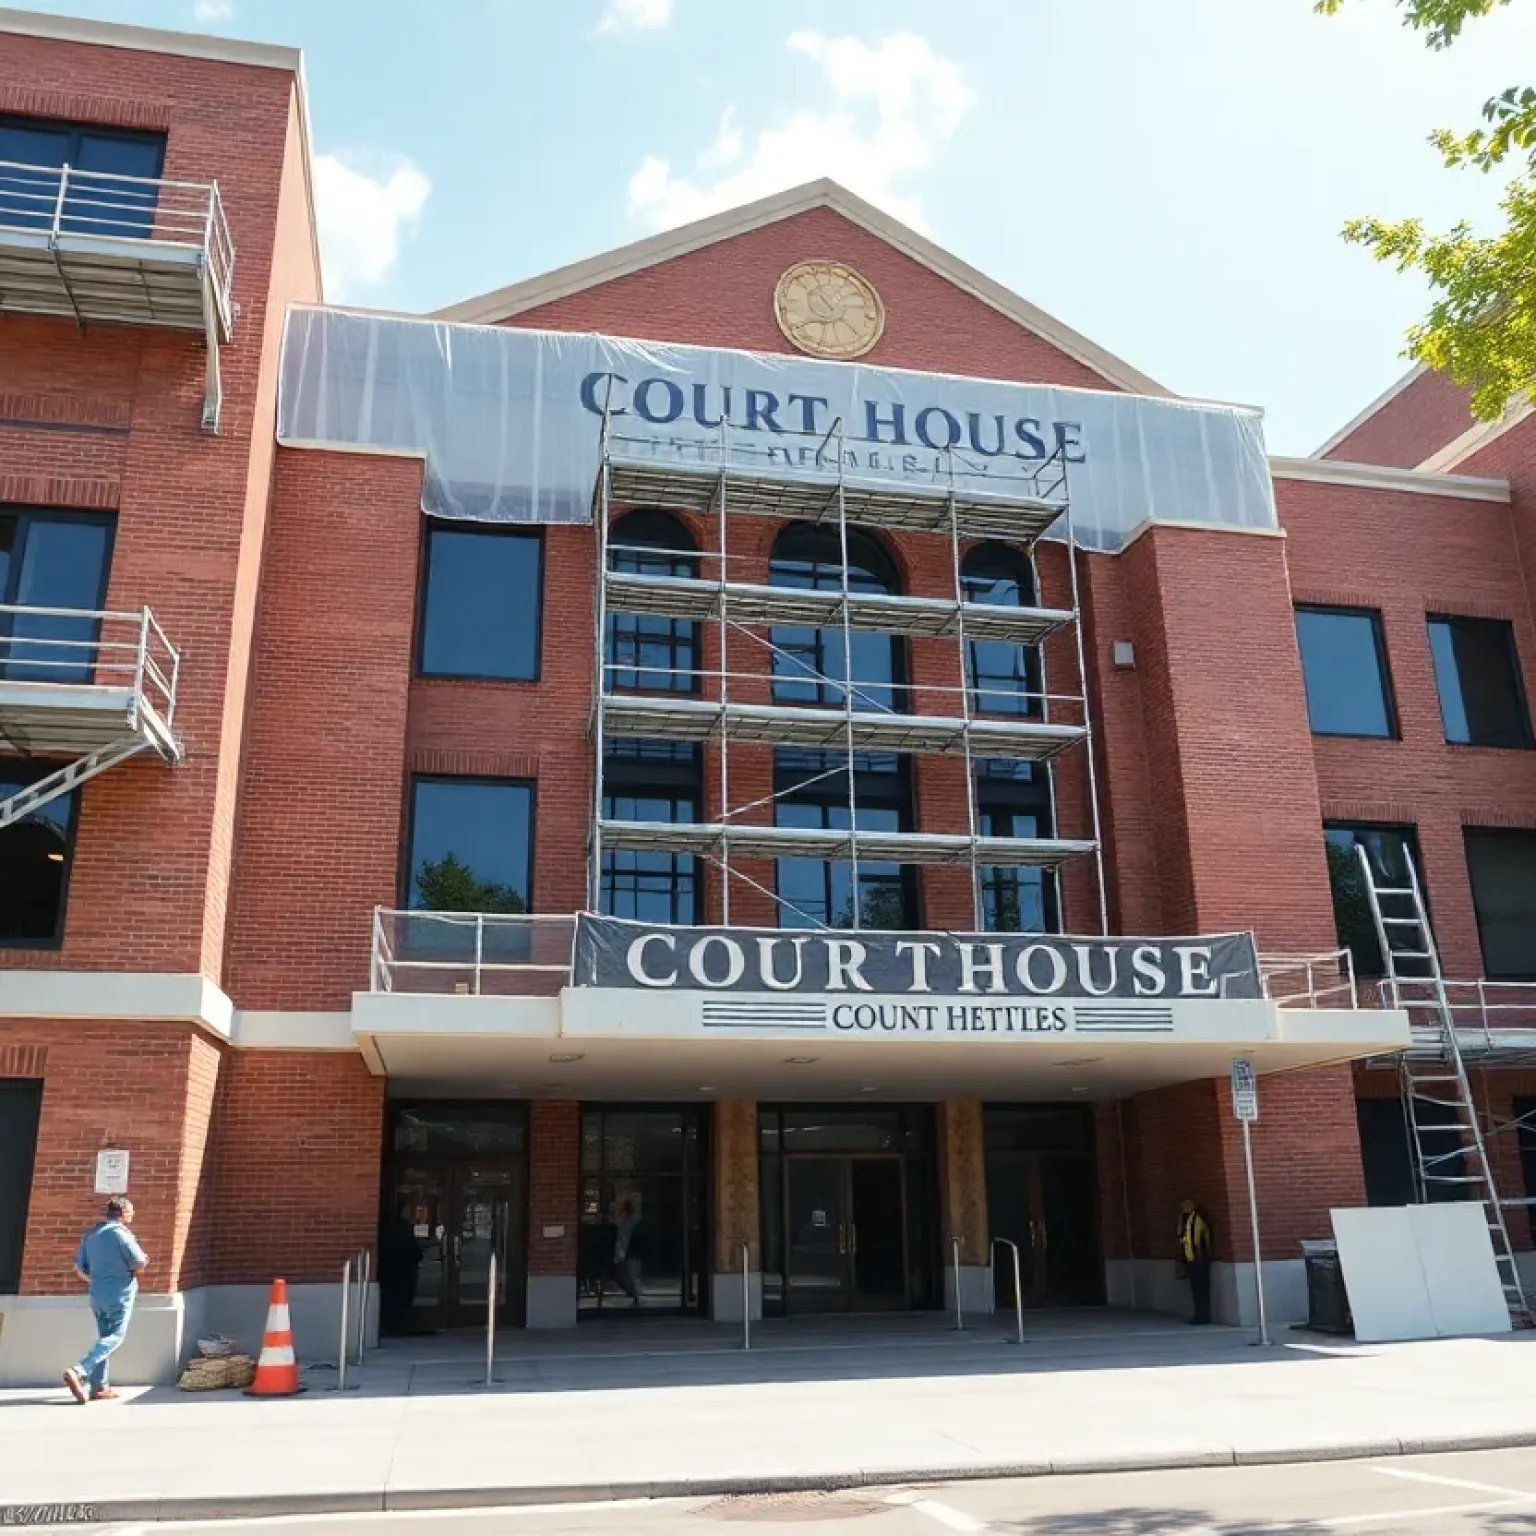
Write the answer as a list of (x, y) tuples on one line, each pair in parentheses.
[(807, 481)]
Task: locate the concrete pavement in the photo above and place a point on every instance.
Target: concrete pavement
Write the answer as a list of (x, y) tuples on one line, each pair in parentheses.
[(599, 1415), (1483, 1494)]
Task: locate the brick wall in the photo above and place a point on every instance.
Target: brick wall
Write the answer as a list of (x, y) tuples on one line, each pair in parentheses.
[(1409, 555), (554, 1152), (1412, 426)]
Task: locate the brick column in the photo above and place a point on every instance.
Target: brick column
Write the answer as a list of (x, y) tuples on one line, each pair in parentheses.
[(554, 1150), (733, 1156), (963, 1203)]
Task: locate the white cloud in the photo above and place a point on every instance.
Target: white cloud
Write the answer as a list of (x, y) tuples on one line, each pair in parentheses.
[(891, 108), (362, 219), (212, 10), (635, 15)]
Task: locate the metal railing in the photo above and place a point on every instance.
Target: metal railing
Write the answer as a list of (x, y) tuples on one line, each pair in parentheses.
[(98, 208), (92, 648), (1323, 980), (1490, 1017), (474, 954), (1018, 1284)]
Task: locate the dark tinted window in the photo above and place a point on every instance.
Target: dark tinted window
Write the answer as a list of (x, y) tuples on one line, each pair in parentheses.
[(1482, 700), (645, 652), (1343, 663), (645, 885), (470, 845), (51, 560), (1502, 868), (1389, 850), (20, 1104), (1014, 800), (805, 555), (813, 791), (34, 860), (108, 207), (480, 604), (1005, 679), (1391, 1161)]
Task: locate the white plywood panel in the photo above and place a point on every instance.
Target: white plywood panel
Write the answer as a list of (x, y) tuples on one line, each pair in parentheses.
[(1378, 1251), (1460, 1274)]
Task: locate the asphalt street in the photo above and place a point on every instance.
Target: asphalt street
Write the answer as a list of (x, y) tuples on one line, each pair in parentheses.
[(1491, 1493)]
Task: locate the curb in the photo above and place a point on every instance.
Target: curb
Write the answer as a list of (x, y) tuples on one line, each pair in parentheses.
[(341, 1501)]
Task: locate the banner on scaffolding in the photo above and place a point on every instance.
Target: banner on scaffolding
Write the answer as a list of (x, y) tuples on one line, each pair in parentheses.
[(1028, 967), (509, 422)]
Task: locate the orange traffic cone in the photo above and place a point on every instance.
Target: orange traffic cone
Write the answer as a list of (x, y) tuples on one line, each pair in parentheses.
[(277, 1372)]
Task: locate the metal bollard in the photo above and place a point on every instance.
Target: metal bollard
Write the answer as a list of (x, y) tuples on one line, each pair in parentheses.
[(490, 1325), (343, 1346), (959, 1311), (1018, 1289), (746, 1297), (364, 1276)]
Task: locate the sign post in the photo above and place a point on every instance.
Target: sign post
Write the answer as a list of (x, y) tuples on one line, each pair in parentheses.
[(1245, 1105)]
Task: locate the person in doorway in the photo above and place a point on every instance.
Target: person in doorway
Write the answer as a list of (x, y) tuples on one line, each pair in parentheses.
[(626, 1251), (1195, 1258), (109, 1261)]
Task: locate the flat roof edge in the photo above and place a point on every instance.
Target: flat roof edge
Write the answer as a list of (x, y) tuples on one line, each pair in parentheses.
[(1386, 477), (111, 34)]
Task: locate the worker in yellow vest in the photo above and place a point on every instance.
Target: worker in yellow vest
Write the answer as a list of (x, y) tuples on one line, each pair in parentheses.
[(1195, 1258)]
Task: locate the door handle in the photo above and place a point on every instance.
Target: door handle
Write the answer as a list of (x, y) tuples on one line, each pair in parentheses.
[(1034, 1236), (853, 1238), (842, 1238), (1045, 1239)]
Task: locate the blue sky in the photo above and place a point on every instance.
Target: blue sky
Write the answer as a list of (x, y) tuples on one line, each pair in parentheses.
[(1169, 178)]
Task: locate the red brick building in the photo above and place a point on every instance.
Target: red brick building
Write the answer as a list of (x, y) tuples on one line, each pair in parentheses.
[(320, 719)]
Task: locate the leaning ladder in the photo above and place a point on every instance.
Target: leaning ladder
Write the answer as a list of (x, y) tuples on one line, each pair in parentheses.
[(1449, 1152)]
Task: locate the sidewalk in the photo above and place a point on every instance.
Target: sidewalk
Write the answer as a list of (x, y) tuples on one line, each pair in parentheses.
[(679, 1409)]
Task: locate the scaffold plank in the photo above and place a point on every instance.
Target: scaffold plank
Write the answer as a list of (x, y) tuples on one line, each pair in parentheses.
[(710, 839), (780, 725), (689, 597), (697, 488)]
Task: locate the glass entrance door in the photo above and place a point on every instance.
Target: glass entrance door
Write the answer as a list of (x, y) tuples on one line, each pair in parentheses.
[(847, 1239), (1045, 1203), (436, 1245), (819, 1276)]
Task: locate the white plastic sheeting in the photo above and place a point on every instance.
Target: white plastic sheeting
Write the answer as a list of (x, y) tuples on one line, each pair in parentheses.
[(509, 423)]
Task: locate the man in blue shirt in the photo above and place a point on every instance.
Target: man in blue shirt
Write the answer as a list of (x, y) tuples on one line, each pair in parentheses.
[(109, 1262)]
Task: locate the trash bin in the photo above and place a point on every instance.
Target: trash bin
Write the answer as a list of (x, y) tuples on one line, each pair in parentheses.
[(1327, 1300)]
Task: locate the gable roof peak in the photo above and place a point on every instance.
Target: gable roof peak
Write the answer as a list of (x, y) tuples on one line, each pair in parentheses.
[(532, 293)]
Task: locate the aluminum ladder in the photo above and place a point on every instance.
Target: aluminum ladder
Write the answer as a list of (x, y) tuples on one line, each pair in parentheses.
[(1450, 1152)]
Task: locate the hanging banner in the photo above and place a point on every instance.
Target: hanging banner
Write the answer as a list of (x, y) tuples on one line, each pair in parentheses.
[(508, 421), (611, 952)]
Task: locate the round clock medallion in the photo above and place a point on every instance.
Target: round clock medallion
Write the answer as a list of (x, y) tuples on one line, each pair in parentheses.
[(827, 310)]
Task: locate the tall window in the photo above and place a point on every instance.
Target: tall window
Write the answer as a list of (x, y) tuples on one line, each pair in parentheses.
[(651, 781), (34, 860), (806, 555), (470, 845), (1014, 800), (109, 208), (813, 791), (1004, 679), (51, 560), (646, 652), (1389, 849), (1502, 868), (480, 602), (1344, 667), (21, 1102), (1482, 700)]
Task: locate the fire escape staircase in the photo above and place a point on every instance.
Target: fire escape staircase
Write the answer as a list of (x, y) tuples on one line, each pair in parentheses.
[(85, 690), (1445, 1132)]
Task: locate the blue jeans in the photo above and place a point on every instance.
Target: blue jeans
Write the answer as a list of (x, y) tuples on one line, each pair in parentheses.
[(111, 1330)]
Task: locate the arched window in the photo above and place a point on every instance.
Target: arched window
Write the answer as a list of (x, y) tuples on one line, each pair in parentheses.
[(1004, 679), (646, 653), (808, 663)]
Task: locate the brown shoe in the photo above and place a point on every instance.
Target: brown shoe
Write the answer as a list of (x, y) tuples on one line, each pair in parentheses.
[(76, 1384), (105, 1395)]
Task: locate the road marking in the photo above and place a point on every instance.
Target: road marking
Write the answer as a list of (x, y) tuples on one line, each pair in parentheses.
[(1453, 1482), (944, 1514)]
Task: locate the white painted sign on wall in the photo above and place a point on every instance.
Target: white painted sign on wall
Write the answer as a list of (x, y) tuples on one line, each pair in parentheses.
[(112, 1172)]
